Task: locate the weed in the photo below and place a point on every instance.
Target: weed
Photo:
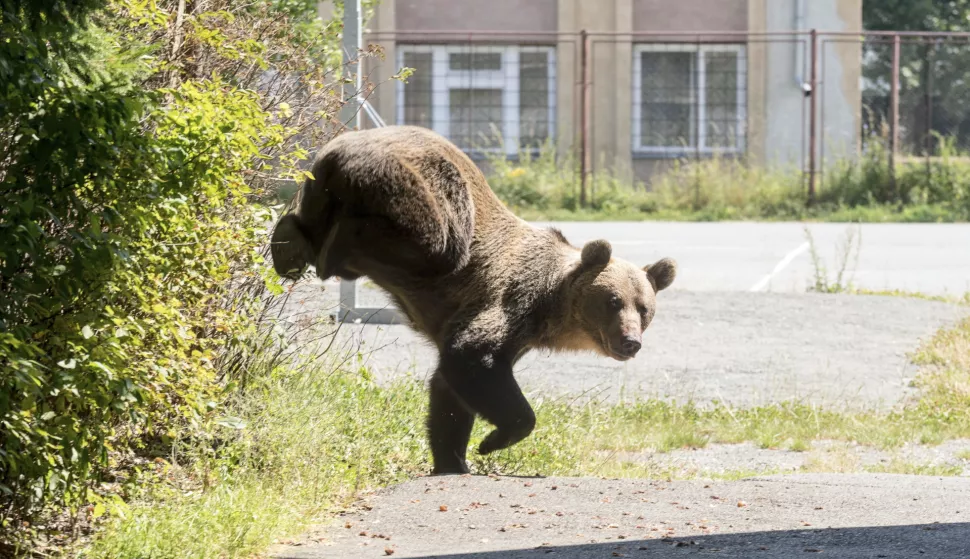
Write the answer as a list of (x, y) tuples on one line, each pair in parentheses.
[(847, 260), (837, 459)]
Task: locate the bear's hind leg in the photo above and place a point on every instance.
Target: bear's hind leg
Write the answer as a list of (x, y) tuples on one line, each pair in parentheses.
[(486, 385), (358, 245), (449, 428)]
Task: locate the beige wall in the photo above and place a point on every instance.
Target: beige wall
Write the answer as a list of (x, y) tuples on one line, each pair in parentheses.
[(479, 15), (690, 15), (611, 88), (757, 82), (850, 60)]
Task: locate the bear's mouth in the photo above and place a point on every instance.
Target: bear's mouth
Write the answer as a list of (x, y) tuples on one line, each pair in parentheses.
[(619, 356), (611, 352)]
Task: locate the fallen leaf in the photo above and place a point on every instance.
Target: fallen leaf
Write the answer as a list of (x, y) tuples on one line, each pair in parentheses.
[(388, 551), (443, 508)]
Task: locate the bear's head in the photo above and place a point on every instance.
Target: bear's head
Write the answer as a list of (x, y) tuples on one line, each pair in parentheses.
[(613, 301)]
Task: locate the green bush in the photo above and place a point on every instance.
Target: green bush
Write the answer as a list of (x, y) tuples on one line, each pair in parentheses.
[(117, 240), (128, 230)]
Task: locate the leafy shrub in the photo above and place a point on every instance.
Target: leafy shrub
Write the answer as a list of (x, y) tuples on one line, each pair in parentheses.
[(128, 225)]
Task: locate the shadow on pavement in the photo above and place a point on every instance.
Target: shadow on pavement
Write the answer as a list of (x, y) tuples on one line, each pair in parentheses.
[(891, 542)]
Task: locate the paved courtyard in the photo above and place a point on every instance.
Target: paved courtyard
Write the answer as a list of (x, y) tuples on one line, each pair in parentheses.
[(738, 325)]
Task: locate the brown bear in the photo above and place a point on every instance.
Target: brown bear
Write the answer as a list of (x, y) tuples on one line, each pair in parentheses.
[(408, 209)]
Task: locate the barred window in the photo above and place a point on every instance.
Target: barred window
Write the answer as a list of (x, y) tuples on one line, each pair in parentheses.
[(483, 98), (689, 98)]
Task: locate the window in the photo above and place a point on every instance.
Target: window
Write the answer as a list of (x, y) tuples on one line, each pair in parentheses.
[(483, 98), (689, 98)]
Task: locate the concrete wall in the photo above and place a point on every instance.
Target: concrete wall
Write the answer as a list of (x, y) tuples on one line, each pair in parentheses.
[(490, 15), (785, 107), (611, 89), (690, 15)]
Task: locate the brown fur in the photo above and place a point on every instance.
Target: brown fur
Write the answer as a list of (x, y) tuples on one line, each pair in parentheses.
[(405, 207)]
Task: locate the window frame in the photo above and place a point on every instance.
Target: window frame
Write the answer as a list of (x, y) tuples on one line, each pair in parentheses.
[(444, 80), (698, 95)]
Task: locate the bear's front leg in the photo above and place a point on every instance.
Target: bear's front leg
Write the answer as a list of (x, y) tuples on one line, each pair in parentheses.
[(483, 383), (449, 427)]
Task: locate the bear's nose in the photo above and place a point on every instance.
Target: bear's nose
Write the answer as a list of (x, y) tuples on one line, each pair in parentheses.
[(631, 345)]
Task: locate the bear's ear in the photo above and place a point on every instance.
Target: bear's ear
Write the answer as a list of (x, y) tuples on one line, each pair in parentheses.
[(597, 254), (661, 273)]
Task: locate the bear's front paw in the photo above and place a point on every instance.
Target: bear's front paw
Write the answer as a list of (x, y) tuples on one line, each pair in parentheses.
[(451, 469), (496, 440)]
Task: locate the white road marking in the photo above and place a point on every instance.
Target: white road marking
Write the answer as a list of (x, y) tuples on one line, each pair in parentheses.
[(780, 266)]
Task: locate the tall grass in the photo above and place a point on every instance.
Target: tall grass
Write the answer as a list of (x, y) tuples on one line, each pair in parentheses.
[(541, 185), (300, 445)]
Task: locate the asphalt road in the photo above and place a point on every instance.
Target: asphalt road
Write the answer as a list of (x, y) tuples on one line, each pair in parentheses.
[(738, 325), (742, 256), (741, 348), (844, 516), (728, 256)]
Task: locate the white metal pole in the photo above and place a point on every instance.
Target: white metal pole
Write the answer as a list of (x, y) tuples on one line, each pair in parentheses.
[(350, 116), (350, 113)]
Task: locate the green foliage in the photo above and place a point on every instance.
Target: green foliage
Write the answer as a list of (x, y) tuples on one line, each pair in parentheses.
[(542, 180), (943, 183), (130, 272), (542, 185), (916, 15)]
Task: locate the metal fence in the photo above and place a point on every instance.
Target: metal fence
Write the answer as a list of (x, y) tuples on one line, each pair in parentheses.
[(636, 102)]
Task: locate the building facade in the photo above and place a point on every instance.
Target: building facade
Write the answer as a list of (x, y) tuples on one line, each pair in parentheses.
[(664, 79)]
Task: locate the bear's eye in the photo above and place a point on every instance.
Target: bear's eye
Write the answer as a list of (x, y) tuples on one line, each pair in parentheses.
[(642, 310), (615, 302)]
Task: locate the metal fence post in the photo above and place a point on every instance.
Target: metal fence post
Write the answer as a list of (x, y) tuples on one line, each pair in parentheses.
[(813, 120), (351, 117), (584, 105), (894, 117), (929, 67)]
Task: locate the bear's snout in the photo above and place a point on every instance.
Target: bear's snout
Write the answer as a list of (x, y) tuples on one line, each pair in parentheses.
[(631, 345), (625, 347)]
